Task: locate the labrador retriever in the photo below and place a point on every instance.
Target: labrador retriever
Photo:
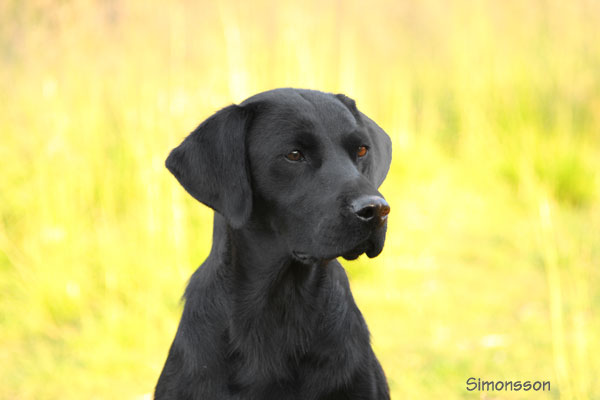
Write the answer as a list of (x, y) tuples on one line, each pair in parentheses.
[(292, 176)]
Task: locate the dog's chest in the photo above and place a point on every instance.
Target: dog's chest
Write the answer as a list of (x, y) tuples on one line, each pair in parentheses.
[(297, 337)]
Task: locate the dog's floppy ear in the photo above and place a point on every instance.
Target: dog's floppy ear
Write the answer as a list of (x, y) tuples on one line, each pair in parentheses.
[(382, 147), (381, 144), (211, 164)]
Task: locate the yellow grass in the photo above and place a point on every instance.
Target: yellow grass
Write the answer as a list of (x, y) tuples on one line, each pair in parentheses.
[(492, 264)]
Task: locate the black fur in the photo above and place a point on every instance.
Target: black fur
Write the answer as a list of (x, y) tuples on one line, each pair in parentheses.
[(269, 314)]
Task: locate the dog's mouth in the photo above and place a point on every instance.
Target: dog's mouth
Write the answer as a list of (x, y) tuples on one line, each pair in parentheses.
[(353, 254), (304, 258), (357, 251), (372, 247)]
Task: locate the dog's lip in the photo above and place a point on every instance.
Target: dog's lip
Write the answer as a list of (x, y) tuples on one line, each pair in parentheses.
[(368, 244), (306, 258), (363, 247), (303, 257), (353, 254)]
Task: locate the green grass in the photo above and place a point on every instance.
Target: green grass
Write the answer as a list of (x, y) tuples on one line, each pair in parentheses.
[(491, 267)]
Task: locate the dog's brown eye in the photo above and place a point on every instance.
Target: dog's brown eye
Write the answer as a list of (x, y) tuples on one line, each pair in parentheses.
[(294, 156), (362, 151)]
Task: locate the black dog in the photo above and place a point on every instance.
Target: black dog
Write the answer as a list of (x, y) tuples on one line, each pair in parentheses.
[(292, 176)]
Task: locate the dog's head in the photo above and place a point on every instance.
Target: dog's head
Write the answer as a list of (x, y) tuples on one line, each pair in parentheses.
[(306, 164)]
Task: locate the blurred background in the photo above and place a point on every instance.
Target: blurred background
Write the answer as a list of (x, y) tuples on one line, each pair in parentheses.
[(491, 266)]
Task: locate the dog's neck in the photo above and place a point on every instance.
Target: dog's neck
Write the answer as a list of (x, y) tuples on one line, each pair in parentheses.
[(263, 277), (258, 256)]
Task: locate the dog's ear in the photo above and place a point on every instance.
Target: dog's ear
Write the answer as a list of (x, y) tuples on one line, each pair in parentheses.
[(382, 149), (211, 164), (381, 144)]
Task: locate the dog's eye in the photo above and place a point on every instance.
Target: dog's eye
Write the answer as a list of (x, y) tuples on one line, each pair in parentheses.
[(362, 151), (294, 156)]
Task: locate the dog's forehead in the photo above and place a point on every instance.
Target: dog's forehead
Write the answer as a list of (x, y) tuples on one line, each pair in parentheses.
[(294, 110)]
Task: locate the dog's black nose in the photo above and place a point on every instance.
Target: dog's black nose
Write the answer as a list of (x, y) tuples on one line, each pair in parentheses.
[(369, 208)]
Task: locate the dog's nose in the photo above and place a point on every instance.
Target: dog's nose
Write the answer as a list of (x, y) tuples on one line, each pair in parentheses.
[(369, 208)]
